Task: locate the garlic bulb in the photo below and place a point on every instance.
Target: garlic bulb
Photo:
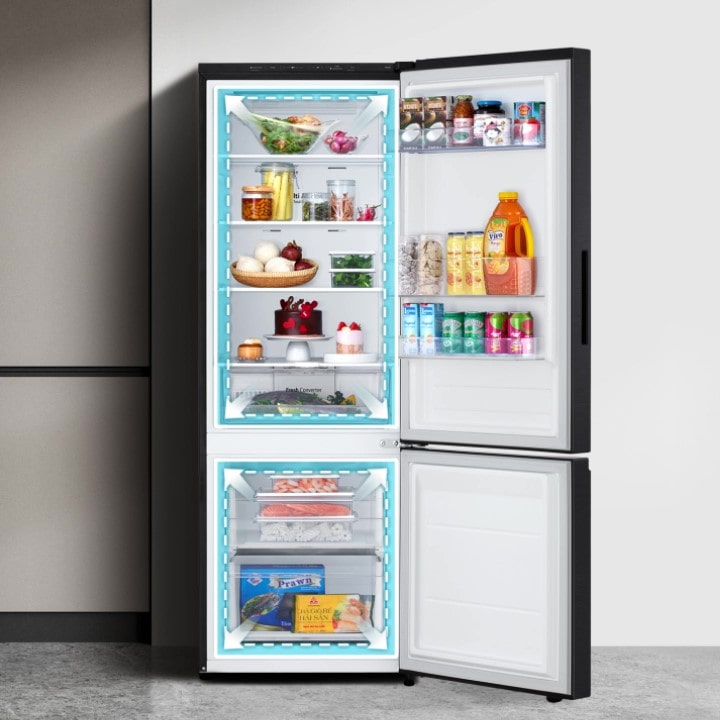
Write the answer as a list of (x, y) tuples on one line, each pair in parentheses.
[(248, 264), (279, 265), (265, 251)]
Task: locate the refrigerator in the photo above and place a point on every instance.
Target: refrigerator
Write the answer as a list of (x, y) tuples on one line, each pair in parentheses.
[(413, 506)]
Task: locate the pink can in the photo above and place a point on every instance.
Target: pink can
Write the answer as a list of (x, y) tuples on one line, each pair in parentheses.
[(496, 333)]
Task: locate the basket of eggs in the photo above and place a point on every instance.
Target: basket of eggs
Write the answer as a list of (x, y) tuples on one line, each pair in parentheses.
[(273, 267)]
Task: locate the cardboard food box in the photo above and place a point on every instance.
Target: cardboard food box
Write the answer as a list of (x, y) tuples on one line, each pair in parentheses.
[(411, 123), (262, 588), (436, 116), (316, 613)]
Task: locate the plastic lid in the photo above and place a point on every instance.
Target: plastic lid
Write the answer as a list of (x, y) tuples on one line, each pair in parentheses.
[(487, 103), (507, 196), (336, 183), (464, 98), (315, 196), (257, 188)]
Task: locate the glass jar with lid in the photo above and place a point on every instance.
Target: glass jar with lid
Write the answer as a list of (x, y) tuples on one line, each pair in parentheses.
[(257, 202), (315, 206), (462, 120), (342, 199), (281, 178)]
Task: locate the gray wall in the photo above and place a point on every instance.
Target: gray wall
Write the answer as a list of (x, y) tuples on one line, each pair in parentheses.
[(74, 357)]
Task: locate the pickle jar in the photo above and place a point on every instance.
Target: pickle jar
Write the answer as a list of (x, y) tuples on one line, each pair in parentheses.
[(257, 202), (315, 206), (281, 178)]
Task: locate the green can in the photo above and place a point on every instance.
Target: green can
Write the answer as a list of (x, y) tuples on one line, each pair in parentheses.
[(452, 332), (474, 332)]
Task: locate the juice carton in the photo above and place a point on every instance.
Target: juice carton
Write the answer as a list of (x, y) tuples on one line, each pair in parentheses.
[(410, 328), (411, 123), (431, 324), (436, 116)]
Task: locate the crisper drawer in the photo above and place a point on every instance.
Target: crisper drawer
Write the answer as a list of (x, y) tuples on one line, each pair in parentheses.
[(307, 558)]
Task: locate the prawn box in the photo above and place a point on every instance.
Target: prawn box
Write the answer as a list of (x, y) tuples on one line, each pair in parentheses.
[(315, 613), (262, 588)]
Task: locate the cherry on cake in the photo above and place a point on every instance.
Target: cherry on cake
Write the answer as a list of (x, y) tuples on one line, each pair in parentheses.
[(297, 317), (349, 339)]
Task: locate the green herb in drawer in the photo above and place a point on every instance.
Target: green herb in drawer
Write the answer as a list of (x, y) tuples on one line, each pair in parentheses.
[(348, 261), (352, 278)]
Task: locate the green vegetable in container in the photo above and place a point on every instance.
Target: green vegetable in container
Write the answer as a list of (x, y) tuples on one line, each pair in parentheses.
[(352, 262), (352, 279)]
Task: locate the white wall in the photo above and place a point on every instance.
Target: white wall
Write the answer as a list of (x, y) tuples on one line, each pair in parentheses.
[(656, 254)]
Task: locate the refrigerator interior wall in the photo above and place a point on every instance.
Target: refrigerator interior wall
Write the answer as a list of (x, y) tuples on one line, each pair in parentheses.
[(509, 401), (485, 569), (275, 524), (352, 391)]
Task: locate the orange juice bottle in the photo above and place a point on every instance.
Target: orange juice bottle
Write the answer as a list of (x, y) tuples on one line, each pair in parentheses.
[(507, 236)]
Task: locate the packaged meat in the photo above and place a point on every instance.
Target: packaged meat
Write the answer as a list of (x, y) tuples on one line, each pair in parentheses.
[(305, 509), (304, 483)]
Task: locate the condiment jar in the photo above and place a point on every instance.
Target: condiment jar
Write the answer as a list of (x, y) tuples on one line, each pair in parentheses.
[(257, 202), (342, 199), (463, 120), (485, 109), (315, 206)]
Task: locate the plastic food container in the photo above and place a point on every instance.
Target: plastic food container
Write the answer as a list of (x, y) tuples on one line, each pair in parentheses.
[(352, 278), (281, 178), (257, 202), (352, 261), (342, 200), (306, 530)]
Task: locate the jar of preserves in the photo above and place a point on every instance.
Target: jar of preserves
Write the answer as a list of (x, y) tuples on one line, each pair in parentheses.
[(463, 120), (257, 202)]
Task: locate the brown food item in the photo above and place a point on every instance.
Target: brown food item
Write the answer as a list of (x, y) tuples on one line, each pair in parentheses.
[(251, 349), (305, 510)]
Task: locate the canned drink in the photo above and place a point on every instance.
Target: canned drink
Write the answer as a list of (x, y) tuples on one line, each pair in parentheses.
[(452, 332), (527, 335), (474, 332), (496, 324), (515, 330), (455, 263), (475, 263)]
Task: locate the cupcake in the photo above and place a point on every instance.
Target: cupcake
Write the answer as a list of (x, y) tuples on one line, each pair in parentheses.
[(251, 349), (349, 339)]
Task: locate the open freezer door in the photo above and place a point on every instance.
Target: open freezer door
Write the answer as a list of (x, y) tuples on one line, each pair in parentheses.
[(495, 558)]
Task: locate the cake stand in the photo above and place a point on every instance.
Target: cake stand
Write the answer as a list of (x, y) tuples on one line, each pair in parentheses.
[(298, 349)]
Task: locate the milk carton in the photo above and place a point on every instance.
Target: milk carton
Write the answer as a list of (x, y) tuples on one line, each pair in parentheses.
[(431, 317)]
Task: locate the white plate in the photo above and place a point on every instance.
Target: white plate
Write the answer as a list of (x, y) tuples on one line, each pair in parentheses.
[(350, 357)]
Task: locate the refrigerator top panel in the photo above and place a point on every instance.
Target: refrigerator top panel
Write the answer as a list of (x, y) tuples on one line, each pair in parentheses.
[(530, 387), (300, 171)]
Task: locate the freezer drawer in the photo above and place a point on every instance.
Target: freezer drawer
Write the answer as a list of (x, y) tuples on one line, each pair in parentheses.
[(495, 570), (301, 565)]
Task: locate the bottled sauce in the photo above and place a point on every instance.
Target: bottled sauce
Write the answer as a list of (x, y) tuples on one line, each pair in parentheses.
[(463, 120), (257, 202), (507, 236), (455, 263), (280, 177)]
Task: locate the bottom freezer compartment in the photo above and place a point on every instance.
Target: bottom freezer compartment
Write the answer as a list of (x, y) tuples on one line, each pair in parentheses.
[(305, 562)]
